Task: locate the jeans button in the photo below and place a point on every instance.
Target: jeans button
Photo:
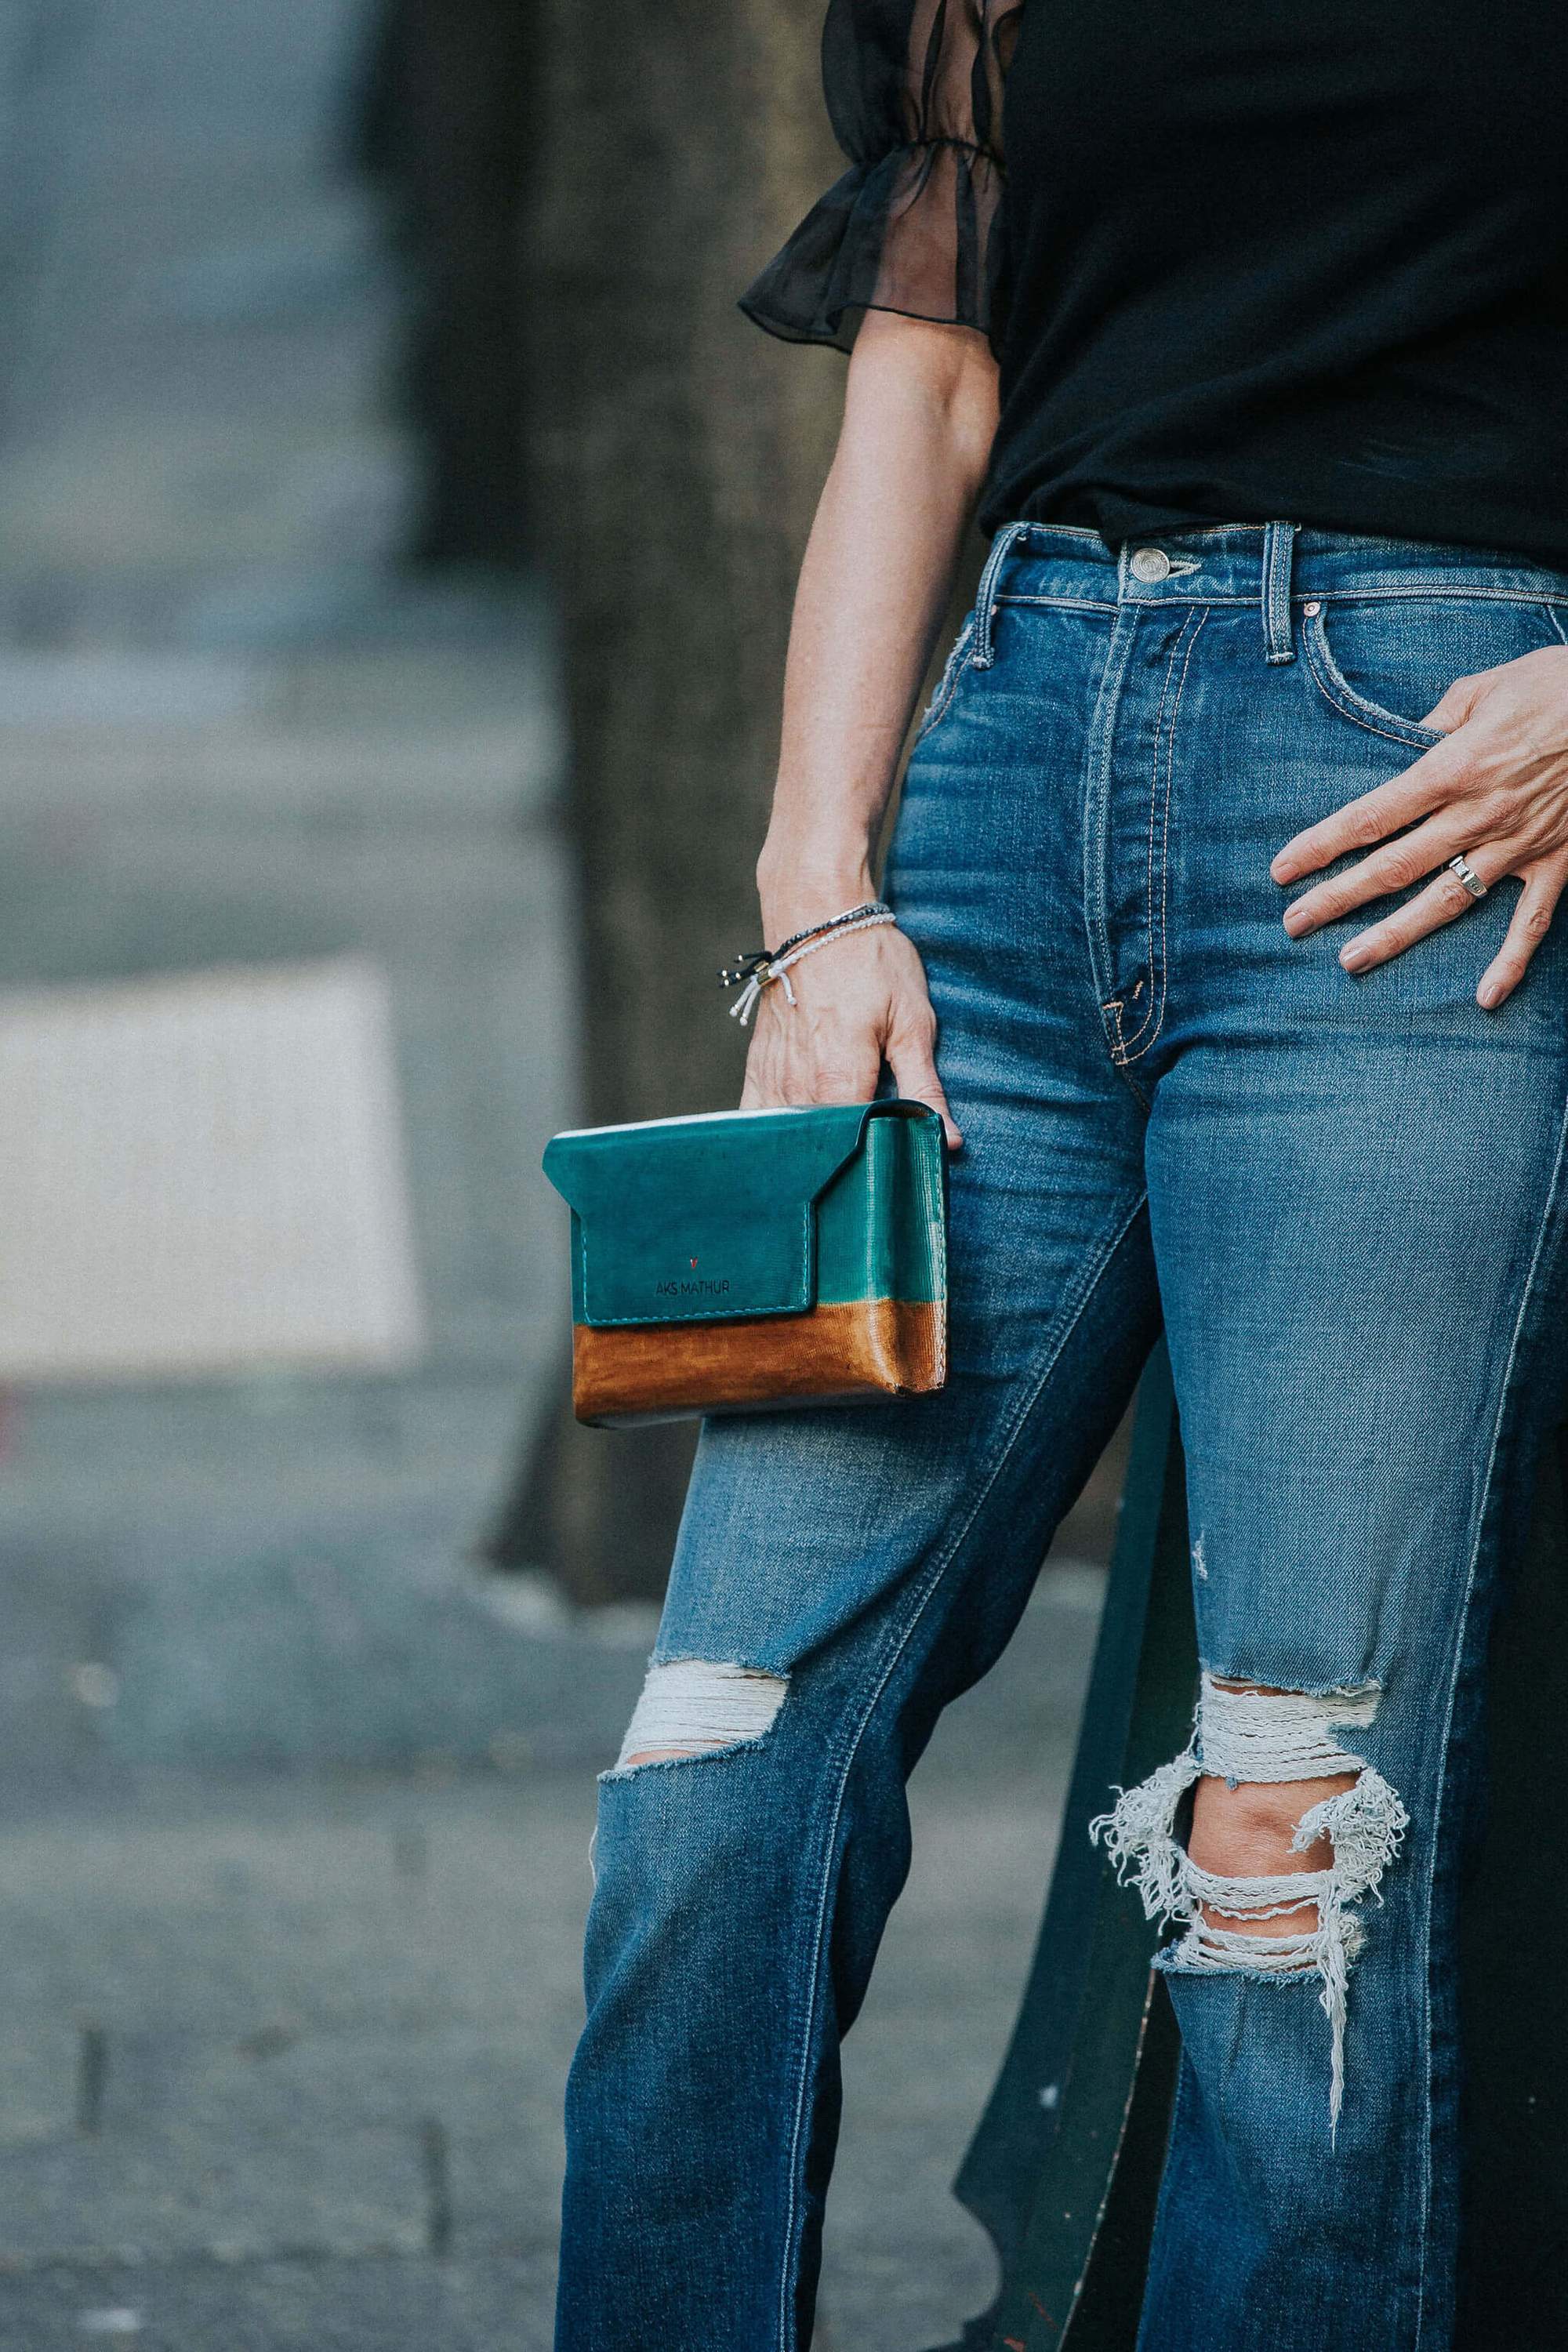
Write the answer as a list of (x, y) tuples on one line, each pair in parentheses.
[(1151, 564)]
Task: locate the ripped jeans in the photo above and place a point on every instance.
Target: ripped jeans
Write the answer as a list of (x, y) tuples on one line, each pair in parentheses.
[(1344, 1197)]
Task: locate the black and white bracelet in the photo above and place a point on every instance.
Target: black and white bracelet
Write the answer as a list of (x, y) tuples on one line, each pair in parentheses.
[(758, 970), (835, 923)]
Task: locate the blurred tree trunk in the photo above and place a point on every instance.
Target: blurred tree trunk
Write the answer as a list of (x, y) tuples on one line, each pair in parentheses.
[(675, 455), (445, 85)]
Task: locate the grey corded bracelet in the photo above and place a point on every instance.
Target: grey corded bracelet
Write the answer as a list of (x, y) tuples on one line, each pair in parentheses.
[(760, 967)]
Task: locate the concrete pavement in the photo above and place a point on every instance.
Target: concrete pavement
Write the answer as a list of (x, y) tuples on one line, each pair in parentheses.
[(282, 2056)]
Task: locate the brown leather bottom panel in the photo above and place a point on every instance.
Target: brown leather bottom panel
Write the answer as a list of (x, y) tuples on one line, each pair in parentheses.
[(663, 1371)]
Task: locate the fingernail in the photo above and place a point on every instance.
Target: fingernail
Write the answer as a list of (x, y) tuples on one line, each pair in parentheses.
[(1490, 994), (1296, 922), (1356, 957)]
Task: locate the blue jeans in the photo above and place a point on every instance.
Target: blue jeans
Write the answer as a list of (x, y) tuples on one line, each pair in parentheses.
[(1344, 1199)]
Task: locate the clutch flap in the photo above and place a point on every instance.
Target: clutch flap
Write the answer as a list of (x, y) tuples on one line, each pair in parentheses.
[(694, 1219)]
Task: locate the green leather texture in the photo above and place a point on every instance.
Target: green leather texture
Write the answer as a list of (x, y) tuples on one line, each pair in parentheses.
[(881, 1225), (753, 1213)]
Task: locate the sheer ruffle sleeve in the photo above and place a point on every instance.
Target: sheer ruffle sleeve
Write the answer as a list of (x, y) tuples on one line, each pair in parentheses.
[(914, 94)]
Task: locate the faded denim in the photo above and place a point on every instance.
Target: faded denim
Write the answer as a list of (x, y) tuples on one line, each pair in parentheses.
[(1344, 1199)]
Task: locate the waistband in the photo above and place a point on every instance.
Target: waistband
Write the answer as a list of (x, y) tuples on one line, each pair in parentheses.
[(1275, 566)]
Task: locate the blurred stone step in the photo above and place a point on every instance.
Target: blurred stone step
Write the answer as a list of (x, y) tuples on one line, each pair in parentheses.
[(315, 2304), (355, 1641), (477, 770)]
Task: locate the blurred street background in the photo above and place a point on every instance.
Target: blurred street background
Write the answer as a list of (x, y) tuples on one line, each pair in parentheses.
[(318, 506)]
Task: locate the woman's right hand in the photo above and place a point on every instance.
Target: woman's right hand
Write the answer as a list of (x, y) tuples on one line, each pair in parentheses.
[(860, 1002), (919, 417)]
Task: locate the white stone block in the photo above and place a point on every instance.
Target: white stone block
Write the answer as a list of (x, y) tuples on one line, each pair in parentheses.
[(203, 1175)]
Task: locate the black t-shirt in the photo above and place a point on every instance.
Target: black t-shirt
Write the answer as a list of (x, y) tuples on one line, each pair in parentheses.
[(1238, 260)]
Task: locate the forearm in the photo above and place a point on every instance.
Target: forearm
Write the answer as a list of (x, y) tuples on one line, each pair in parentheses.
[(920, 414)]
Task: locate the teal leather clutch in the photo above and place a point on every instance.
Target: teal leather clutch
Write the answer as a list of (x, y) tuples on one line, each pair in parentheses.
[(748, 1259)]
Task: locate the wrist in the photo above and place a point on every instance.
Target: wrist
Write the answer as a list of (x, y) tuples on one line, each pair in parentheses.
[(797, 891)]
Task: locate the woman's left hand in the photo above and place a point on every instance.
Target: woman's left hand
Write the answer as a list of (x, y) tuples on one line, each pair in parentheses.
[(1495, 789)]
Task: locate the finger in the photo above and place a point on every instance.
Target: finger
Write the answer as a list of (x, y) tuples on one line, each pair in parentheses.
[(914, 1073), (1433, 779), (841, 1068), (1531, 922), (1458, 703), (763, 1088), (1441, 902), (1397, 865), (757, 1092)]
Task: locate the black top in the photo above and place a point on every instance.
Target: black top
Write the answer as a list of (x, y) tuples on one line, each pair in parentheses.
[(1239, 260)]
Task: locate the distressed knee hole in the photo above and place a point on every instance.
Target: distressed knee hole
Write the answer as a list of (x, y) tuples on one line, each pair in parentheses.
[(1250, 1832), (696, 1708), (1289, 1829)]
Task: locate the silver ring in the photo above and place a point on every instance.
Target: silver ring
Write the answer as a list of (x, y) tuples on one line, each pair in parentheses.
[(1467, 876)]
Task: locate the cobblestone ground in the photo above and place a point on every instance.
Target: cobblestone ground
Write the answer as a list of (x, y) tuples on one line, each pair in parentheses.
[(294, 1805), (281, 2060)]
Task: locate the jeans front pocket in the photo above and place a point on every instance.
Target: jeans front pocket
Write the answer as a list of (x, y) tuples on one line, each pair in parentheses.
[(1384, 661)]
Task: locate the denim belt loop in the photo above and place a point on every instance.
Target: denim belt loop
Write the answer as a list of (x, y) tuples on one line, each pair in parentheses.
[(1001, 546), (1279, 549)]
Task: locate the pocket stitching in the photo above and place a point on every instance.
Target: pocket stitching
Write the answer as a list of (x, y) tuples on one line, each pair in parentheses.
[(1130, 1048), (1341, 694)]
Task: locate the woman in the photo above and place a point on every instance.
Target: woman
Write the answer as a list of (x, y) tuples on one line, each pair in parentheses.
[(1224, 875)]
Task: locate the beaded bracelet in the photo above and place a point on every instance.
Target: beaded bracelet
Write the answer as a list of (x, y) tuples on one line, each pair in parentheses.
[(756, 958), (758, 970), (834, 923)]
